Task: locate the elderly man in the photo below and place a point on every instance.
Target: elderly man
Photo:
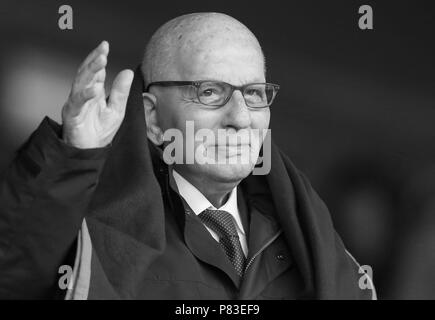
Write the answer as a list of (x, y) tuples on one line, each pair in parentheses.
[(93, 209)]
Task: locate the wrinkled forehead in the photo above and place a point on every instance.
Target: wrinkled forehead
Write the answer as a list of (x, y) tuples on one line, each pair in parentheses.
[(217, 55)]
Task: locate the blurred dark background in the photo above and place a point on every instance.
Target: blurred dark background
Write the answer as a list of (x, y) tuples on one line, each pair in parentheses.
[(355, 112)]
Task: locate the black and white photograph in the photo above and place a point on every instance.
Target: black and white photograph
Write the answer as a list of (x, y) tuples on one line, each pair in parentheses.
[(231, 151)]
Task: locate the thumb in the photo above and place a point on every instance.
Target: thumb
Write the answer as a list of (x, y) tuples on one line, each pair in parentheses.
[(120, 91)]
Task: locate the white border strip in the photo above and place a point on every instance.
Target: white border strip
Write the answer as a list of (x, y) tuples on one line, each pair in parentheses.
[(374, 295), (82, 266)]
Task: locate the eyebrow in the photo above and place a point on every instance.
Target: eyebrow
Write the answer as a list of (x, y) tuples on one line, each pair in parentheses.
[(256, 80)]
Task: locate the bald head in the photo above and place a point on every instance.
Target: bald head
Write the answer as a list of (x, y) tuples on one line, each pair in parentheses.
[(188, 39)]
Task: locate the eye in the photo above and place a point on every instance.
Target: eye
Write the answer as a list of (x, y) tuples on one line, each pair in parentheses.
[(252, 92), (207, 92), (255, 92), (211, 93)]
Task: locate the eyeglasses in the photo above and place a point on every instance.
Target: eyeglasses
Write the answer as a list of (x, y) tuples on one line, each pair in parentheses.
[(218, 93)]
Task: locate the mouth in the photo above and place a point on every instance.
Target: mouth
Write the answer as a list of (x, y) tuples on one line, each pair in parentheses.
[(231, 150)]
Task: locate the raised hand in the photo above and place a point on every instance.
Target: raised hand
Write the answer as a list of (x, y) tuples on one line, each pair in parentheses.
[(88, 121)]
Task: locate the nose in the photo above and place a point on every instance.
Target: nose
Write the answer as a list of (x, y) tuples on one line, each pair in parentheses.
[(238, 115)]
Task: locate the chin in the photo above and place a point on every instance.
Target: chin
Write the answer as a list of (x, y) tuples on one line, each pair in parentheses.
[(228, 172)]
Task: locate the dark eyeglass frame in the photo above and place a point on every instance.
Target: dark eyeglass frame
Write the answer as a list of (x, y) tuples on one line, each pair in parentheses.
[(198, 83)]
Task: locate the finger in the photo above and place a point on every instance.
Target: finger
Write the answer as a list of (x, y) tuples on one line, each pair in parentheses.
[(94, 62), (100, 76), (88, 74), (103, 48), (80, 98), (120, 91), (85, 89)]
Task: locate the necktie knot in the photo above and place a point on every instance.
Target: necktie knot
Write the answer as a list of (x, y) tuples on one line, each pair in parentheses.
[(220, 222)]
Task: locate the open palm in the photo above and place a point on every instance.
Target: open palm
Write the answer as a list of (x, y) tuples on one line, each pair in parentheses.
[(88, 120)]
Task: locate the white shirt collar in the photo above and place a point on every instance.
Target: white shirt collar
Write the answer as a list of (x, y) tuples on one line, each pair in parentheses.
[(198, 202)]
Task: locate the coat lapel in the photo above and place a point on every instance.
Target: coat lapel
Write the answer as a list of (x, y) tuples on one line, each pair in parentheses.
[(207, 249)]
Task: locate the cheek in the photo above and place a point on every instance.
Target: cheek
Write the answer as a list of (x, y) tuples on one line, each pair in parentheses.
[(260, 119), (260, 123), (171, 114), (202, 117)]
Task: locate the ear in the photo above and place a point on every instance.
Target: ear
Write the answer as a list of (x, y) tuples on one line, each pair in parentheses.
[(154, 132)]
